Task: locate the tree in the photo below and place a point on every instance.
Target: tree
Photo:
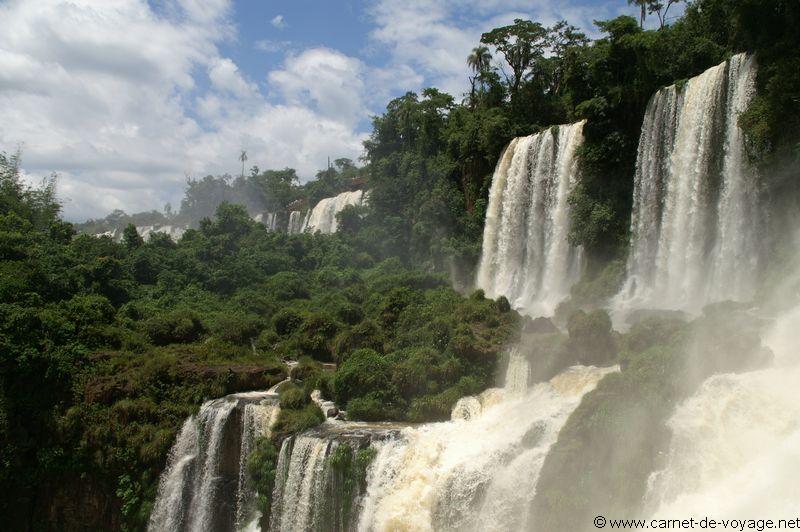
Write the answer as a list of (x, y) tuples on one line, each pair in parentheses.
[(643, 5), (478, 61), (243, 158), (522, 44), (565, 43), (131, 237), (661, 9)]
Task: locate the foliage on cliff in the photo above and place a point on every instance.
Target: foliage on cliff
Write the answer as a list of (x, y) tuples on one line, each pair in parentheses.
[(618, 435), (106, 347)]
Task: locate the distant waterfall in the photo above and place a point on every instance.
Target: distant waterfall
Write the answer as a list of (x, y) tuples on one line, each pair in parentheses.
[(295, 223), (479, 471), (526, 253), (175, 232), (203, 487), (322, 218), (695, 224), (268, 219), (735, 449)]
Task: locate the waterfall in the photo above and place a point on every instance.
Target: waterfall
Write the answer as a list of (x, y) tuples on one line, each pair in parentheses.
[(295, 223), (478, 471), (318, 484), (298, 493), (175, 232), (268, 220), (204, 487), (322, 218), (526, 255), (695, 223), (735, 448)]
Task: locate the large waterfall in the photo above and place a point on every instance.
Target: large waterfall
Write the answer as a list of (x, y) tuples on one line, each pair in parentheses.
[(480, 470), (696, 223), (322, 218), (526, 253), (204, 485)]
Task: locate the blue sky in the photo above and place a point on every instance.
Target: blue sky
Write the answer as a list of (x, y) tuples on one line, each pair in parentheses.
[(126, 99)]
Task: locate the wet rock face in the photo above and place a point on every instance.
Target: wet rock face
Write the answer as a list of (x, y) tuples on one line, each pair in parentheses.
[(76, 504), (540, 325)]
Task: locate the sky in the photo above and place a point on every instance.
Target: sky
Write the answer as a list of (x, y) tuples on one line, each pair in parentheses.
[(126, 99)]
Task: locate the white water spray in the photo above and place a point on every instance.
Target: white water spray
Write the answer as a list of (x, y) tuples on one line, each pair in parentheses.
[(735, 449), (479, 471)]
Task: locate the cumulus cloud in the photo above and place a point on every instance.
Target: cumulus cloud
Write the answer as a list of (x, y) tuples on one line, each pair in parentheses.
[(112, 96), (124, 99), (278, 22), (330, 81), (225, 76)]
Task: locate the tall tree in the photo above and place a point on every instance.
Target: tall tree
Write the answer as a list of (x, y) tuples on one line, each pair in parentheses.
[(522, 44), (661, 9), (479, 62), (243, 158), (643, 6)]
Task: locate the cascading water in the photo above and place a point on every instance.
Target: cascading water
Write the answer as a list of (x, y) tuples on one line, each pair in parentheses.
[(478, 471), (295, 223), (269, 219), (203, 487), (318, 482), (735, 449), (526, 253), (695, 224), (322, 218)]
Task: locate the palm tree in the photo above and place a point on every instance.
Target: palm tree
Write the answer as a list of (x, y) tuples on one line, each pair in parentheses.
[(243, 158), (478, 61), (643, 5)]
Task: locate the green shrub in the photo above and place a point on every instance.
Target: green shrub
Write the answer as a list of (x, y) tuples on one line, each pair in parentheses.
[(261, 468), (287, 321), (179, 326), (293, 421), (502, 304), (237, 328), (590, 337), (364, 335), (370, 407), (294, 398), (364, 372), (286, 286)]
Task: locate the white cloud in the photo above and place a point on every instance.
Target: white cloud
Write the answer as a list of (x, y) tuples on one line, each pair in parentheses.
[(272, 47), (225, 76), (278, 22), (111, 96), (123, 101), (330, 81)]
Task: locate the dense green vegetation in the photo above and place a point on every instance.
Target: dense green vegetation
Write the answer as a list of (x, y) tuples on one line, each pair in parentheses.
[(106, 347)]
